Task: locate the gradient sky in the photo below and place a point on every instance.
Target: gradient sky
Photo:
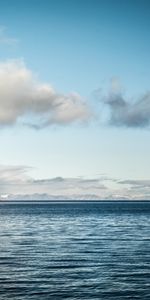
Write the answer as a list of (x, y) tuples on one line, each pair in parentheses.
[(98, 50)]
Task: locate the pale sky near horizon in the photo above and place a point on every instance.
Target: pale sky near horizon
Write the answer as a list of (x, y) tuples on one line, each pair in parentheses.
[(75, 97)]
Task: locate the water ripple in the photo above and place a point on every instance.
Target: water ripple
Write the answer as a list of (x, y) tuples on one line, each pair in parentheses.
[(75, 251)]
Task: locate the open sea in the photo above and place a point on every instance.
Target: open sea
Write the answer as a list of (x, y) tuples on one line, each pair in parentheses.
[(75, 250)]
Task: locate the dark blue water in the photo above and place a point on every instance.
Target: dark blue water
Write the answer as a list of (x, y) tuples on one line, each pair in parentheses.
[(75, 251)]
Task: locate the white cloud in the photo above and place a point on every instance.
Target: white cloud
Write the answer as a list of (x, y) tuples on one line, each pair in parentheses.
[(23, 97)]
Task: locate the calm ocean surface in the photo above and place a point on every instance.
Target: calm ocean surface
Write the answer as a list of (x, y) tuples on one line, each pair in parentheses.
[(75, 251)]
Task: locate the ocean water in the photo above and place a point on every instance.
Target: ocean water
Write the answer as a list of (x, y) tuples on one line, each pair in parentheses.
[(75, 251)]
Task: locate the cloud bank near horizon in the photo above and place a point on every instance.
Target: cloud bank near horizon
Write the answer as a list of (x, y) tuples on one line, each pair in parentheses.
[(14, 180), (24, 98)]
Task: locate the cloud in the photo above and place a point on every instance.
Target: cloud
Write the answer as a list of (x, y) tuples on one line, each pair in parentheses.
[(137, 188), (13, 175), (69, 185), (5, 39), (24, 99), (136, 183), (15, 180), (126, 112)]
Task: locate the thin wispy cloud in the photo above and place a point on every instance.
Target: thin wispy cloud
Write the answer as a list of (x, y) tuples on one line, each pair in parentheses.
[(24, 99), (5, 39), (13, 175), (136, 183)]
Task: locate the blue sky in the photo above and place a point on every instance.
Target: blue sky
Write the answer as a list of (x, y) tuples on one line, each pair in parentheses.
[(93, 58)]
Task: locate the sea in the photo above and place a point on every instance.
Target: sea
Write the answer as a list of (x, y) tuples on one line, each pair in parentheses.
[(75, 250)]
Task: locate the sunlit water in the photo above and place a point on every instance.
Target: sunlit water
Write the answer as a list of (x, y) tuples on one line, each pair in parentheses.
[(75, 251)]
